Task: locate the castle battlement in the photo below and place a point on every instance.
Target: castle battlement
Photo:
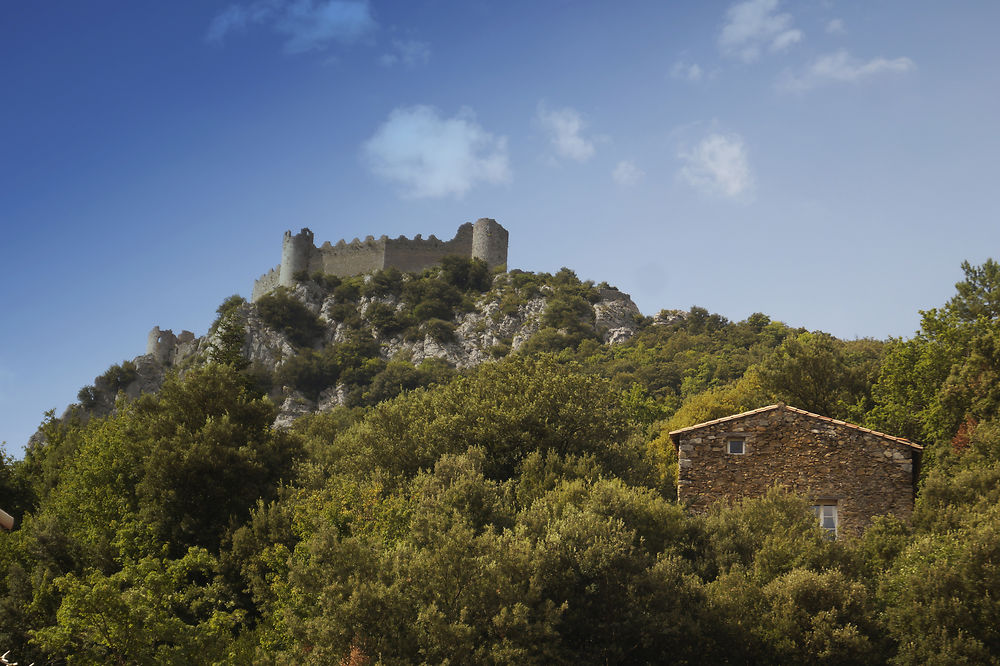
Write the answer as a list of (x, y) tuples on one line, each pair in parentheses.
[(485, 239)]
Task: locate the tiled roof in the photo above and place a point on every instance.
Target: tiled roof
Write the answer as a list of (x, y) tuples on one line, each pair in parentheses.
[(780, 405)]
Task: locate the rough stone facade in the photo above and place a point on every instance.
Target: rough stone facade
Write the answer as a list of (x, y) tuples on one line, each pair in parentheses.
[(861, 472), (486, 240)]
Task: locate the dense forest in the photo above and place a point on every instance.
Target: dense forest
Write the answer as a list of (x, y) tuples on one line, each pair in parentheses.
[(522, 511)]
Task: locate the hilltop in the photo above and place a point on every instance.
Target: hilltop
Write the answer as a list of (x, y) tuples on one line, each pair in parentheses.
[(327, 341)]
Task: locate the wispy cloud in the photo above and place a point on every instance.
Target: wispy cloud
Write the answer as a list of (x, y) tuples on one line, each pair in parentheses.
[(842, 67), (836, 27), (688, 71), (627, 173), (564, 127), (718, 165), (753, 26), (430, 156), (409, 54), (307, 25)]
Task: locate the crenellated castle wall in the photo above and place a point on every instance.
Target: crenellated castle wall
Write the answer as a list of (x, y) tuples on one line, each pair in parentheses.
[(485, 239)]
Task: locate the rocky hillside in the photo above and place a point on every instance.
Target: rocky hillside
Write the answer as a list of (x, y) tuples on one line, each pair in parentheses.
[(356, 341)]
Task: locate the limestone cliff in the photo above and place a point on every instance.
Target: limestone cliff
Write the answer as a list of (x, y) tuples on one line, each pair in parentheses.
[(496, 325)]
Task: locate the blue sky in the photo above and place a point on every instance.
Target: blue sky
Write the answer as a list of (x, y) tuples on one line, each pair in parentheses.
[(827, 163)]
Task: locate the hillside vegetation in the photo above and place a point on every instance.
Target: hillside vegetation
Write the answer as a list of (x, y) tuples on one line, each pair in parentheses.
[(516, 509)]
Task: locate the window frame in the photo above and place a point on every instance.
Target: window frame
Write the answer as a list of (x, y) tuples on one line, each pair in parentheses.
[(733, 439), (824, 509)]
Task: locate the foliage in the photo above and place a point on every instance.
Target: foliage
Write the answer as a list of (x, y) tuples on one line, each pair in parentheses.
[(229, 334), (115, 379), (289, 316), (520, 512), (818, 373), (153, 611)]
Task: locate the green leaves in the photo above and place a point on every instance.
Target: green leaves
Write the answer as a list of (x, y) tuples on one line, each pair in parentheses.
[(153, 611)]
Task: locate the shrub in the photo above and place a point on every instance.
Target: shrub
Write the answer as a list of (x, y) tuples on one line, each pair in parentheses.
[(440, 330), (385, 320), (347, 291), (116, 378), (309, 372), (386, 282), (287, 315), (466, 273), (327, 281)]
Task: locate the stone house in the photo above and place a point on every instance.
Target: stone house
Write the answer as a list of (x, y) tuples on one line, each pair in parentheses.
[(849, 473)]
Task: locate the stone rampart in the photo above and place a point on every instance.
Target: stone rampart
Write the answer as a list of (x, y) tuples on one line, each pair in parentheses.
[(486, 240), (352, 258), (862, 473), (265, 283)]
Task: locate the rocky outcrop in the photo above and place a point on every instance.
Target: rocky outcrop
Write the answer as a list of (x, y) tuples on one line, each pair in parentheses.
[(616, 316), (484, 334)]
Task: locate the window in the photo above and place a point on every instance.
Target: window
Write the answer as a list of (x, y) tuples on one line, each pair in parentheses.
[(735, 445), (826, 513)]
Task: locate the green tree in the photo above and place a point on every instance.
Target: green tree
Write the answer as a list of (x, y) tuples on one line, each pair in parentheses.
[(153, 611), (818, 373), (228, 334)]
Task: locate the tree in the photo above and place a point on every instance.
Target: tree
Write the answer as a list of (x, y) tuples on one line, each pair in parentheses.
[(818, 373), (979, 293), (153, 611), (229, 334)]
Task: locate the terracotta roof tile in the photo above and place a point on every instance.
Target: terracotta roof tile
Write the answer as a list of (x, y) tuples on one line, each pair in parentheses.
[(780, 405)]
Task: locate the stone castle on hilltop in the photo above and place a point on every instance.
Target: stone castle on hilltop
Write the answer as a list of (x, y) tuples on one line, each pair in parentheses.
[(485, 239)]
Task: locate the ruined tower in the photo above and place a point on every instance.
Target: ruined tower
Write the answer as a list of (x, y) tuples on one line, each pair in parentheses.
[(489, 242), (295, 256)]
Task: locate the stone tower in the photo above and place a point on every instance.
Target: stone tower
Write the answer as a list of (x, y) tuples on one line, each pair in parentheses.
[(295, 251), (489, 242)]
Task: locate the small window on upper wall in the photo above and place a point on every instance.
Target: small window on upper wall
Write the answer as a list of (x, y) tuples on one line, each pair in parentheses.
[(736, 446)]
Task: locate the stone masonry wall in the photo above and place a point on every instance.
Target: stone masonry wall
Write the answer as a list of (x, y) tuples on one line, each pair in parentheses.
[(417, 254), (344, 259), (865, 473)]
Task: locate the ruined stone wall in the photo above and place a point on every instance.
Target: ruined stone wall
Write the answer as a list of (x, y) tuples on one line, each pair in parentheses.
[(486, 240), (265, 283), (417, 254), (165, 347), (352, 258), (864, 473)]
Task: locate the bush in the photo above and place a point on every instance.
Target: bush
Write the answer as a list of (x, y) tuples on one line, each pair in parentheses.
[(466, 274), (289, 316), (325, 280), (309, 372), (440, 330), (386, 282), (118, 376), (347, 292), (385, 319)]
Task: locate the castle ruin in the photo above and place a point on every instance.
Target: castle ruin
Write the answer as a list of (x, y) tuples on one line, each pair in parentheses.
[(485, 239)]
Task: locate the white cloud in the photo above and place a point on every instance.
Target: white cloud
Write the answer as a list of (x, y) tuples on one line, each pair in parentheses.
[(718, 165), (836, 27), (753, 26), (627, 173), (687, 71), (430, 156), (563, 127), (409, 54), (307, 25), (842, 67)]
